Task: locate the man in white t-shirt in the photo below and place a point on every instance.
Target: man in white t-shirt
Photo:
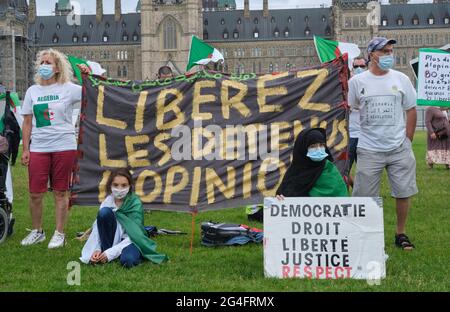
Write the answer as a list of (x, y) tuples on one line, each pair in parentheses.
[(386, 100), (359, 66)]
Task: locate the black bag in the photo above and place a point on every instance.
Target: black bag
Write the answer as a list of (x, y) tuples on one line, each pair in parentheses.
[(220, 234)]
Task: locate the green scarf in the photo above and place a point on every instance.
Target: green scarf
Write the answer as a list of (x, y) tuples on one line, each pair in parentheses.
[(330, 183), (131, 216)]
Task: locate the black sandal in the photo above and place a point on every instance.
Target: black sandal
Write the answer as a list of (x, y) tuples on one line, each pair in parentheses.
[(402, 241)]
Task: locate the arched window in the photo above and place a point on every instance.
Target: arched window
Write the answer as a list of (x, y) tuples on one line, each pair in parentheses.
[(135, 36), (105, 37), (272, 20), (170, 34), (75, 38), (415, 20), (125, 36), (225, 34), (431, 20), (307, 31), (400, 20), (286, 32), (276, 33), (239, 21), (235, 34), (255, 21), (256, 33), (289, 20), (58, 26), (222, 22), (85, 38), (55, 39)]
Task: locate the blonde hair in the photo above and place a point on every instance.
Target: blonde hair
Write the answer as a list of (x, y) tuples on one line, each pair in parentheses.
[(65, 70)]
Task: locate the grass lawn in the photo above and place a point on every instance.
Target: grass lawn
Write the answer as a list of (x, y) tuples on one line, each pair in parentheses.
[(36, 268)]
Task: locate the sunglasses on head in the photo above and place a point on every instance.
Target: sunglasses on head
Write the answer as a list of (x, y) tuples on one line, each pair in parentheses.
[(356, 66)]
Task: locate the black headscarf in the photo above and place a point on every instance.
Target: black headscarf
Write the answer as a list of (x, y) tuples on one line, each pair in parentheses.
[(303, 173)]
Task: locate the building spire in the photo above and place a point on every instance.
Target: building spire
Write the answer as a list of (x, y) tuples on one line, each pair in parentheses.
[(117, 10), (32, 12), (246, 8), (99, 11)]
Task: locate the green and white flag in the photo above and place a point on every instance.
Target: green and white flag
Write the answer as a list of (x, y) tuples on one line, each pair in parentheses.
[(202, 53), (328, 50), (96, 68), (74, 61)]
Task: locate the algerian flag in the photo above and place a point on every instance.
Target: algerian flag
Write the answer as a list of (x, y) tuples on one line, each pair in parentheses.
[(74, 61), (202, 53), (96, 68), (15, 104), (328, 50)]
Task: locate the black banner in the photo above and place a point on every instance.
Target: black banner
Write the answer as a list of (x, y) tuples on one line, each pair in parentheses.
[(206, 141)]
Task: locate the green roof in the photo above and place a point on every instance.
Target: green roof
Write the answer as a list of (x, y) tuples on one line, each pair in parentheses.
[(226, 3), (64, 4), (138, 6)]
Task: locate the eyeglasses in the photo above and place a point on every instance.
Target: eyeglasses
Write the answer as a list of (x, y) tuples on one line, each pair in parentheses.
[(361, 66)]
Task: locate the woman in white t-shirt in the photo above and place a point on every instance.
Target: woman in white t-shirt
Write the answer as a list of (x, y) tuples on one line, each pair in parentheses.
[(49, 142)]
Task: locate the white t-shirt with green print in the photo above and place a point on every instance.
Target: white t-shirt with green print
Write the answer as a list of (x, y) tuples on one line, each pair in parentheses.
[(51, 107)]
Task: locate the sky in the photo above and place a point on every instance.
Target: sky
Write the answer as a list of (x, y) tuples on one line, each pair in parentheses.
[(47, 7)]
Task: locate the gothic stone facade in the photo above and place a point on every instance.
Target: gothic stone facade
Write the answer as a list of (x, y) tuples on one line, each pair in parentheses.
[(135, 45)]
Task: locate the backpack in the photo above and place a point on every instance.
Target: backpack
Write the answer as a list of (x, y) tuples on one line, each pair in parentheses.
[(228, 234)]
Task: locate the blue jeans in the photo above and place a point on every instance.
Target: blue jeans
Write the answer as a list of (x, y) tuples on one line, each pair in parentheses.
[(107, 225)]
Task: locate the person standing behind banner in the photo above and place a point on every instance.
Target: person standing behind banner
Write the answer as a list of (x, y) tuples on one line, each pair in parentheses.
[(438, 138), (359, 66), (49, 143), (385, 97), (165, 72)]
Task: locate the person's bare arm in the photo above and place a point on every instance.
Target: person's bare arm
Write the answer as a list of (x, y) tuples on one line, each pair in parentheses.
[(411, 120), (26, 135)]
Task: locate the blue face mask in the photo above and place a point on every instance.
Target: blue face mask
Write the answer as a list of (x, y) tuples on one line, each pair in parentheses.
[(317, 153), (46, 71), (386, 62), (358, 70)]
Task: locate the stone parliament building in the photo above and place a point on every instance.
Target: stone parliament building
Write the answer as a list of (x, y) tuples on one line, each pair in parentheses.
[(134, 45)]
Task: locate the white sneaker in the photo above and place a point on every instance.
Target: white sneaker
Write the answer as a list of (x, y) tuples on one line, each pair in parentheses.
[(33, 238), (58, 240)]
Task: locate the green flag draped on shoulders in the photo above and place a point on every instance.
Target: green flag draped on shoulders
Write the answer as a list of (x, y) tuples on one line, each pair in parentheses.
[(131, 217)]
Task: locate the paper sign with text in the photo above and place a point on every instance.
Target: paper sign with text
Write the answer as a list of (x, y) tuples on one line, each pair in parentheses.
[(433, 85), (324, 238)]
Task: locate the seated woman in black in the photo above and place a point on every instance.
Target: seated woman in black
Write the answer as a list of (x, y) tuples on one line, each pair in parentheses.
[(312, 172)]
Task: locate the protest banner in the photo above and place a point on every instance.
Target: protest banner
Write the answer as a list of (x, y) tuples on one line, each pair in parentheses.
[(324, 238), (433, 84), (206, 141)]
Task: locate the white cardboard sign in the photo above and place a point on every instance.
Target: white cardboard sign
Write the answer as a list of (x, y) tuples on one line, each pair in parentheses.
[(324, 238)]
